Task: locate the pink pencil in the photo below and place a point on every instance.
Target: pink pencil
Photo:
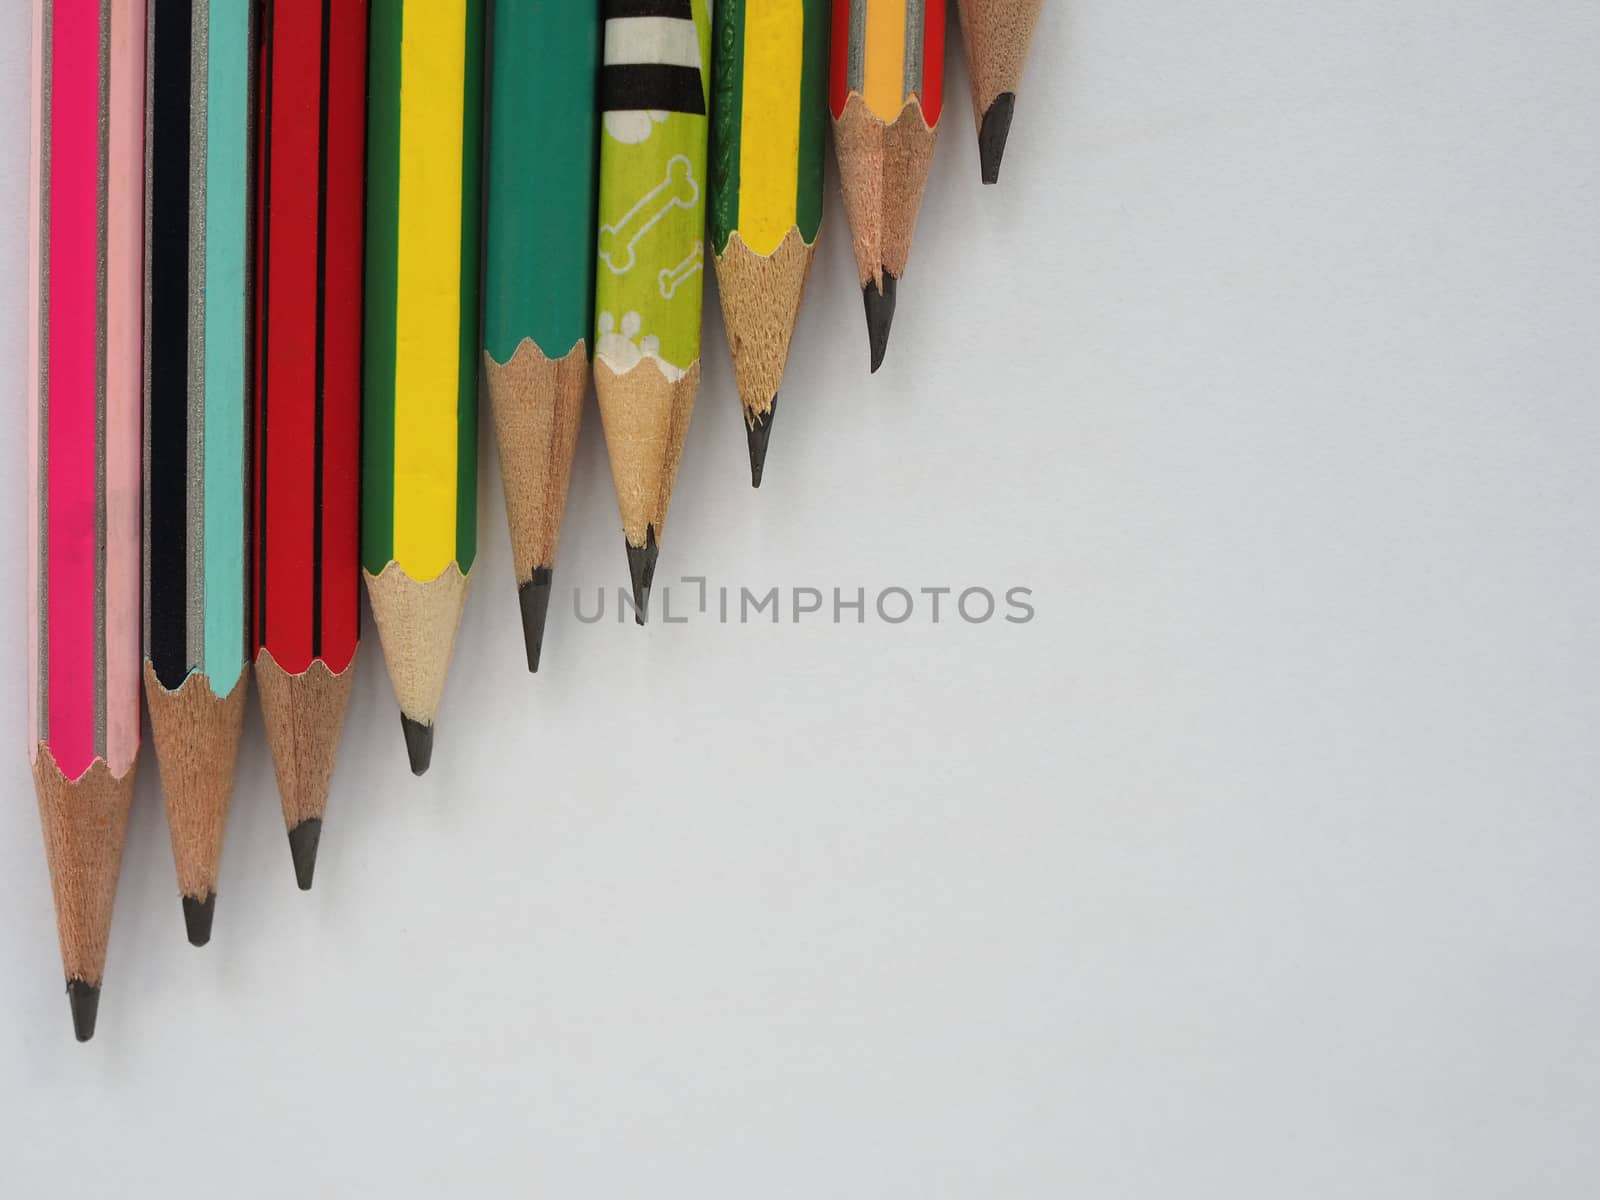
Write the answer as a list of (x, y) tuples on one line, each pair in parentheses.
[(86, 369)]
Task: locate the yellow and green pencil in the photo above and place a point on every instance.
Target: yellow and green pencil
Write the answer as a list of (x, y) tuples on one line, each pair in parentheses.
[(769, 118), (420, 402)]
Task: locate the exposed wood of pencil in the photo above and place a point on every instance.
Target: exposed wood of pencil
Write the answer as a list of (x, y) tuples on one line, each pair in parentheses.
[(85, 821), (304, 715), (760, 304), (997, 34), (646, 417), (197, 747), (538, 406), (417, 624), (883, 170)]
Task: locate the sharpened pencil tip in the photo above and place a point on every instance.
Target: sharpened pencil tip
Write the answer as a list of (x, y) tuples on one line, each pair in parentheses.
[(758, 435), (197, 916), (419, 744), (642, 567), (304, 839), (84, 999), (880, 316), (992, 133), (534, 597)]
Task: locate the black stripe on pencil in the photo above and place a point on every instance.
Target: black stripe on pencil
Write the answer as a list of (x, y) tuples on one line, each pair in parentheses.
[(168, 322)]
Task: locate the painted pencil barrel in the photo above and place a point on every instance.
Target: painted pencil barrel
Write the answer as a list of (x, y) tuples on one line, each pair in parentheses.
[(768, 121), (889, 52), (308, 336), (543, 158), (201, 68), (420, 409), (85, 357), (653, 100)]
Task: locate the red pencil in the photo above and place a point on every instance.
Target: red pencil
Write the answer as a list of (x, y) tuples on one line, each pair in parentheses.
[(312, 147)]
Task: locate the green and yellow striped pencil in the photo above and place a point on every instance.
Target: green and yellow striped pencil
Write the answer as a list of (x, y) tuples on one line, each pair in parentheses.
[(651, 252), (767, 136), (420, 399), (539, 272)]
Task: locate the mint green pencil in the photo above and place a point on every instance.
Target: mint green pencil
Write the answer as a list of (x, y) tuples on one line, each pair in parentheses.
[(198, 257)]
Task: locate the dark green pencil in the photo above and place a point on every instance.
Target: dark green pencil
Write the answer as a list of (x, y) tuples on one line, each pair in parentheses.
[(539, 293)]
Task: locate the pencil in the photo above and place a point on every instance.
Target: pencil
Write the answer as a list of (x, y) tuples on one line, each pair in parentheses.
[(307, 502), (419, 460), (997, 35), (648, 283), (768, 128), (539, 273), (887, 97), (200, 61), (85, 206)]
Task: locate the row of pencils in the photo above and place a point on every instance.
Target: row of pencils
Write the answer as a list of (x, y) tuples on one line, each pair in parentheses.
[(274, 243)]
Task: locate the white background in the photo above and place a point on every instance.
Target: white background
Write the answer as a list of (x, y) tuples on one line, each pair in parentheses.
[(1262, 863)]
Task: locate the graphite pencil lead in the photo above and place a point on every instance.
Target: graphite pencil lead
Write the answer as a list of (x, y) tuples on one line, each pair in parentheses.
[(304, 839), (84, 1000), (758, 433), (879, 304), (197, 916), (419, 744), (642, 567), (534, 598), (992, 134)]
